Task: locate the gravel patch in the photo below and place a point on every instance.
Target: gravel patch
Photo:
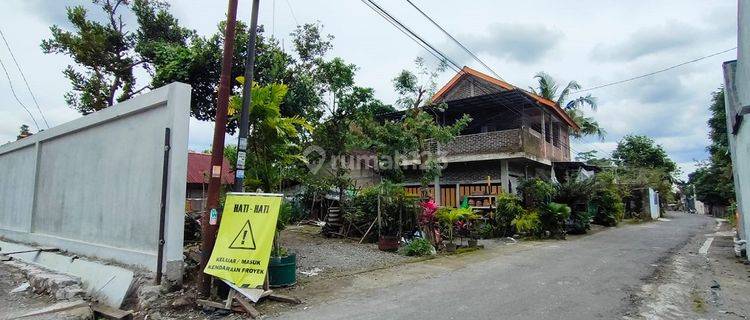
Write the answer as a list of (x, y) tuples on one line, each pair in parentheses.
[(330, 256)]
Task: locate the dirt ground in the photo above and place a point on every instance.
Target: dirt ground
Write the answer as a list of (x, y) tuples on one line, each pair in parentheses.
[(698, 284), (12, 303)]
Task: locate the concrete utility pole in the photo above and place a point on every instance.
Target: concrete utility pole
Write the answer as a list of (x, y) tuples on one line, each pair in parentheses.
[(239, 174), (209, 219)]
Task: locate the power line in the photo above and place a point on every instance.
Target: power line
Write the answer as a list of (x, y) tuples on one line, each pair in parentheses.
[(429, 48), (33, 96), (16, 96), (292, 12), (454, 39), (655, 72)]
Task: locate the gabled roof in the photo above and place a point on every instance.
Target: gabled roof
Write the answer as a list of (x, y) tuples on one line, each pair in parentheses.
[(469, 72), (199, 167)]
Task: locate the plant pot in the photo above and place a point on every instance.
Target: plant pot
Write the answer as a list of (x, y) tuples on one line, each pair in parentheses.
[(450, 247), (282, 271), (472, 243), (388, 243)]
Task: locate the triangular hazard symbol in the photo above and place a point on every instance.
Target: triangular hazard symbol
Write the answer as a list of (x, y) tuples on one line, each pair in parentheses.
[(244, 239)]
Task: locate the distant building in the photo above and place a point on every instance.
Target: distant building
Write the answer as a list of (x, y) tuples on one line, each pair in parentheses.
[(514, 135), (198, 173), (737, 100)]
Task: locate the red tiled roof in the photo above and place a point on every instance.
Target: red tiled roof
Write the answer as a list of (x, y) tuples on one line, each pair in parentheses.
[(466, 71), (199, 169)]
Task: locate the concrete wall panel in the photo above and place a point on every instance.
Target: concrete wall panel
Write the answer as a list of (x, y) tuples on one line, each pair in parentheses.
[(98, 182), (17, 166)]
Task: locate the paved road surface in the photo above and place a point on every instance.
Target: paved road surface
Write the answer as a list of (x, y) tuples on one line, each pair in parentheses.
[(595, 277)]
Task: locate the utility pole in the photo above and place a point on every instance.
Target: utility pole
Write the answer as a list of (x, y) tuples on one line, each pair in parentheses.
[(247, 99), (209, 219)]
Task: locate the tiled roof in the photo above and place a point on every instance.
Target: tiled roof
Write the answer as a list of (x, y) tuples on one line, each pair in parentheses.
[(199, 169), (466, 71)]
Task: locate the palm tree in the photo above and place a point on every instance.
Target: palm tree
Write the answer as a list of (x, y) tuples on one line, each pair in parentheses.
[(548, 88)]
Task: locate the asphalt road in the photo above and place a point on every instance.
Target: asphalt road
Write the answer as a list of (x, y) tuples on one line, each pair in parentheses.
[(593, 277)]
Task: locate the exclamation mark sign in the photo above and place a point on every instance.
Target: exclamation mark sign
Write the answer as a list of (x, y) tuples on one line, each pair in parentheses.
[(244, 236)]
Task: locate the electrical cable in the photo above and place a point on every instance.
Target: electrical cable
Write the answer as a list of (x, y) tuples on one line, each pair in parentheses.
[(16, 96), (655, 72), (23, 76), (454, 40)]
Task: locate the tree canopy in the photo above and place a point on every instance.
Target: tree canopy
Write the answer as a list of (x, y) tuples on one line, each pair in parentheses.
[(548, 87), (107, 53), (713, 180)]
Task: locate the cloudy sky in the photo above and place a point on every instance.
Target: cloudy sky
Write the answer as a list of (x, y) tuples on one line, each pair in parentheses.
[(593, 42)]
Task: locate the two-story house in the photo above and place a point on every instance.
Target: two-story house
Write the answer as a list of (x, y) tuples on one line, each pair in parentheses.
[(514, 134)]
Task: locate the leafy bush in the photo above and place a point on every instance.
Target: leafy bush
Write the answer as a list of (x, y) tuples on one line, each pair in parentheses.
[(449, 218), (418, 247), (362, 207), (536, 192), (554, 216), (579, 222), (528, 223), (508, 208), (576, 193), (609, 207), (485, 230)]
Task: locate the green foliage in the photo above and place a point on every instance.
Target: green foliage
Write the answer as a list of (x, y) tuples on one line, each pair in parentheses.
[(106, 53), (643, 163), (536, 192), (576, 193), (580, 221), (528, 223), (417, 247), (642, 152), (508, 208), (362, 207), (273, 144), (416, 130), (449, 217), (485, 230), (285, 215), (607, 200), (547, 87), (713, 181), (554, 217)]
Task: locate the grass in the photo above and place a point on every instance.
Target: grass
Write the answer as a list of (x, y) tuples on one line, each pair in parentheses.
[(698, 304)]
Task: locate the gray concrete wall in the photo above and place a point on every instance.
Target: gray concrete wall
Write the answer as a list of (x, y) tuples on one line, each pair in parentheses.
[(93, 185), (737, 97)]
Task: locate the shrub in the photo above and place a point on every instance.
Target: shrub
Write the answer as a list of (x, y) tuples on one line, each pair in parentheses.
[(417, 247), (485, 230), (554, 216), (528, 223), (508, 208), (449, 218), (579, 222), (609, 207), (536, 192)]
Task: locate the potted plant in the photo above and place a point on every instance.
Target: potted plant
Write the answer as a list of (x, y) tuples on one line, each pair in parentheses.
[(282, 267), (449, 218)]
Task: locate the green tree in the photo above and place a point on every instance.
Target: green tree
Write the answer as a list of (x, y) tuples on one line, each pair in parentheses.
[(641, 151), (418, 128), (643, 163), (273, 144), (23, 132), (106, 53), (548, 88), (713, 180)]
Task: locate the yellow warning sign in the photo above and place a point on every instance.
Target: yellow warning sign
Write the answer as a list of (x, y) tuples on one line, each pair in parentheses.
[(243, 244)]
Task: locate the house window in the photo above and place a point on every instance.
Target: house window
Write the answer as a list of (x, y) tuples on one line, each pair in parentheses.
[(556, 134)]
